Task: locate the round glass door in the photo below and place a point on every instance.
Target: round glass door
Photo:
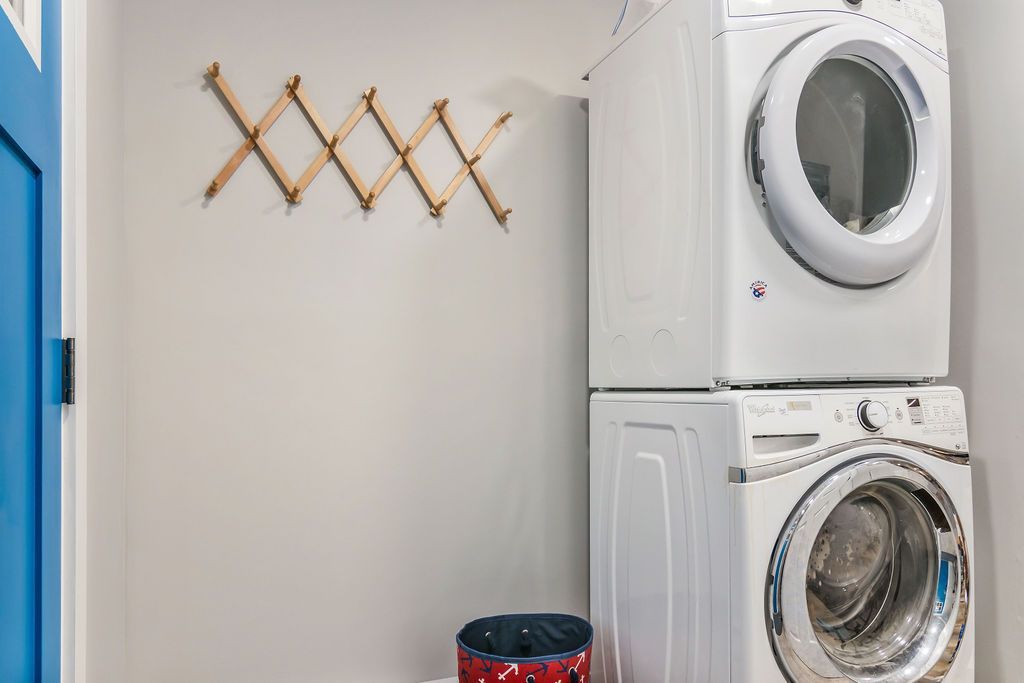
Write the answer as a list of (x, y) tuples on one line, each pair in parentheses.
[(850, 157), (869, 579), (856, 143)]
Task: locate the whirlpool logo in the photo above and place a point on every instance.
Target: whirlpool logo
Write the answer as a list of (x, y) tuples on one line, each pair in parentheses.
[(762, 409)]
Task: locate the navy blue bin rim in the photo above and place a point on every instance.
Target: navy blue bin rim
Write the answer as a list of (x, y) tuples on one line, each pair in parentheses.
[(527, 660)]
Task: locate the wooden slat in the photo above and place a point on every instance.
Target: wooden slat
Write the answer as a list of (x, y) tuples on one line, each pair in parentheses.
[(229, 95), (287, 186), (396, 164), (255, 139), (474, 158), (331, 149), (400, 145), (239, 111), (318, 163), (478, 175)]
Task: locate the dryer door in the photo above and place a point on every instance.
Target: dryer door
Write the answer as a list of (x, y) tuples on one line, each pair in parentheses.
[(869, 579), (850, 155)]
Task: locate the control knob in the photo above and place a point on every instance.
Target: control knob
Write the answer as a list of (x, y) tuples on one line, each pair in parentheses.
[(872, 415)]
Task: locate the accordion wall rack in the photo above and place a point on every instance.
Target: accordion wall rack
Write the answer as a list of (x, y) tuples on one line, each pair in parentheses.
[(370, 103)]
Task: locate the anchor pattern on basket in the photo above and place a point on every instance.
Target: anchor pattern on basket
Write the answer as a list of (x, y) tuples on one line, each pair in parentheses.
[(473, 669)]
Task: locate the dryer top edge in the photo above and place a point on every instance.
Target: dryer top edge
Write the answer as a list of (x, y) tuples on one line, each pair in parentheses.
[(922, 21)]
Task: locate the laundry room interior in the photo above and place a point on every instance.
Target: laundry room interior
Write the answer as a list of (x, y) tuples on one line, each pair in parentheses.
[(572, 341)]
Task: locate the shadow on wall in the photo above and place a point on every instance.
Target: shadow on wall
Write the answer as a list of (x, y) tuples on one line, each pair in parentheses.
[(550, 572)]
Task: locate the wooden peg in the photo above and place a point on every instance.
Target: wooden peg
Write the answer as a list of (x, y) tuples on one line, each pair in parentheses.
[(214, 69), (371, 93), (256, 132), (333, 144), (505, 214), (293, 84), (439, 105), (368, 202), (408, 150), (213, 188), (504, 117), (438, 208), (473, 159), (295, 196)]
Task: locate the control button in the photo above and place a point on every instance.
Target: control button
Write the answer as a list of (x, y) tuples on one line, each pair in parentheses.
[(872, 415), (838, 416), (899, 415)]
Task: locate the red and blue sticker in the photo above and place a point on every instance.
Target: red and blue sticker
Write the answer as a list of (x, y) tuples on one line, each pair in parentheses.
[(758, 290)]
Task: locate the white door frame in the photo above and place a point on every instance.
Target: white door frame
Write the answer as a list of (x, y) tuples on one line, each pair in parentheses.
[(29, 26), (74, 460)]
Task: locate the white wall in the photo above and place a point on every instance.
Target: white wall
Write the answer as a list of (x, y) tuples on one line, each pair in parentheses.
[(988, 318), (349, 433), (104, 647)]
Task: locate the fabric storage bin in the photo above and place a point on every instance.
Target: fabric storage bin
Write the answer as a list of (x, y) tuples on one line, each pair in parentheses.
[(525, 648)]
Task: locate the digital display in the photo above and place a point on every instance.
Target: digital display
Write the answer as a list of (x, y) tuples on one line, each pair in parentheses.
[(914, 408)]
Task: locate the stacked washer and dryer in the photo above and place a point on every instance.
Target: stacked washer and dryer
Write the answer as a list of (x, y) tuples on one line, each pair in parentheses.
[(779, 491)]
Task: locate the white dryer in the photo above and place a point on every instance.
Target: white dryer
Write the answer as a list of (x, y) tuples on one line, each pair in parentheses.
[(808, 536), (769, 195)]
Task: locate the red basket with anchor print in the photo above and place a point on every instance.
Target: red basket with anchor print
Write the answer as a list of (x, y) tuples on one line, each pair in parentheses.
[(525, 648)]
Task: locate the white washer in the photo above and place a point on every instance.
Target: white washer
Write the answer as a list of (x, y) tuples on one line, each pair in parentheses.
[(809, 536), (769, 195)]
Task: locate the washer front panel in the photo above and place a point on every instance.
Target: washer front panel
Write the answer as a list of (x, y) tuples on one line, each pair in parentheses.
[(869, 579)]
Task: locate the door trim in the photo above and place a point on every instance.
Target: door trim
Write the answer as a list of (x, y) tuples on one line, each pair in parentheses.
[(746, 475), (74, 458), (845, 257), (790, 627), (29, 28)]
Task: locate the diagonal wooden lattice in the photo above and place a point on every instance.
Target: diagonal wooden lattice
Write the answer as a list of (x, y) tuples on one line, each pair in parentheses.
[(370, 103)]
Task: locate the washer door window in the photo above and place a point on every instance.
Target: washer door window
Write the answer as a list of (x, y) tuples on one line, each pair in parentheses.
[(869, 579), (850, 157)]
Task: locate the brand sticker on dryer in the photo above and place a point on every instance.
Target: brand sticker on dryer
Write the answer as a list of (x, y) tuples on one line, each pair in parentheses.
[(758, 290)]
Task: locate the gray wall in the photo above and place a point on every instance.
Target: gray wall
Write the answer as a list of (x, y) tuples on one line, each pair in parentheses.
[(105, 344), (349, 433), (315, 393), (988, 317)]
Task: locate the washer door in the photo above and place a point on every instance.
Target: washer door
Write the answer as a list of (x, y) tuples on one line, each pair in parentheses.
[(869, 579), (850, 155)]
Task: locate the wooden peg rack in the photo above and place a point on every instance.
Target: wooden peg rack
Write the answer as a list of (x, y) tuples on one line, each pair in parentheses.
[(370, 103)]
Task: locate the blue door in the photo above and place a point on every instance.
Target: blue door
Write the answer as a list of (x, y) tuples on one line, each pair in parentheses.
[(30, 360)]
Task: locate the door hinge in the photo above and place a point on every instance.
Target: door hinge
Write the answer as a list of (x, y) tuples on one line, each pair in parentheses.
[(68, 371)]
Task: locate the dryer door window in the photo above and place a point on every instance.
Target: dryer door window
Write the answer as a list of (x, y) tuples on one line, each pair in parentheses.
[(856, 143), (850, 155), (869, 579)]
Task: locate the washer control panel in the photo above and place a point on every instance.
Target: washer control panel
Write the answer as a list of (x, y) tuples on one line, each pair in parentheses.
[(812, 421), (921, 20)]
